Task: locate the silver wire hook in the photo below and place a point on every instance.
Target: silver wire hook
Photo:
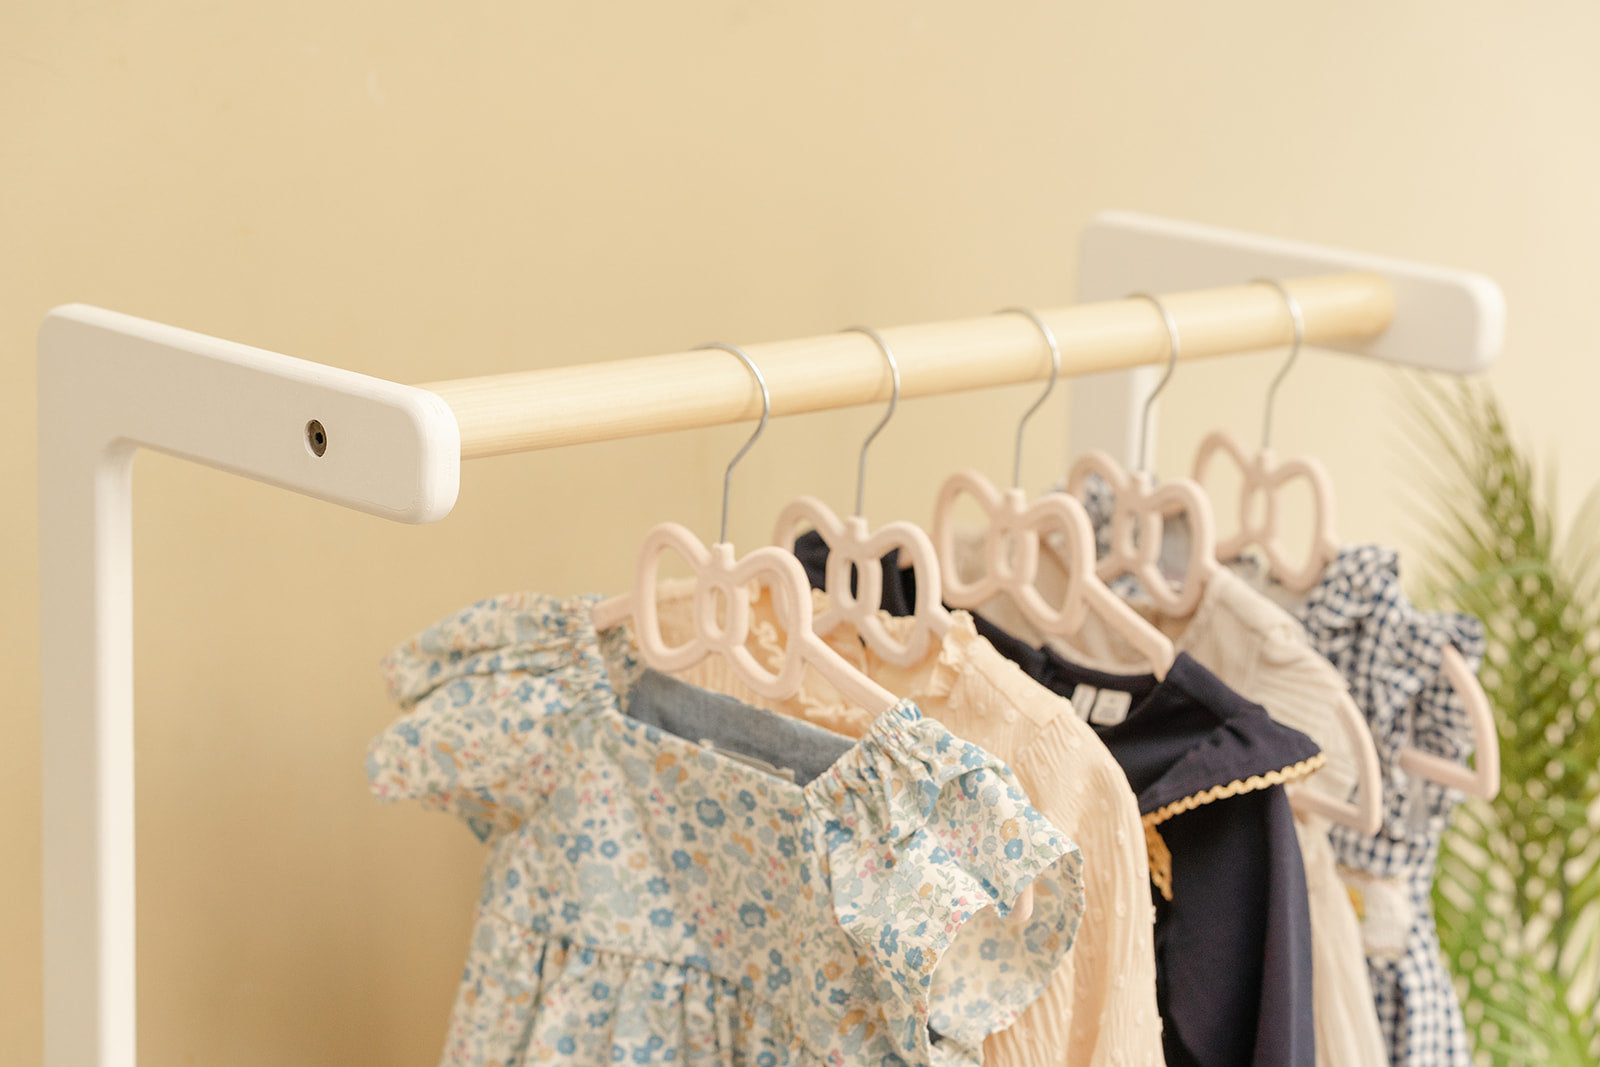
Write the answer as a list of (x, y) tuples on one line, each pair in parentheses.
[(894, 401), (1055, 372), (1172, 363), (1294, 353), (766, 410)]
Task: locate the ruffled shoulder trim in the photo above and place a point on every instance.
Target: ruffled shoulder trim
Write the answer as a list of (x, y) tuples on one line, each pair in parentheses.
[(524, 631), (1355, 585), (489, 693), (924, 831), (1392, 654)]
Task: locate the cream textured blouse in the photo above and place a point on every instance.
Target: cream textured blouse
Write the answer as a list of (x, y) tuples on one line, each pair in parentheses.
[(1100, 1008), (1260, 651)]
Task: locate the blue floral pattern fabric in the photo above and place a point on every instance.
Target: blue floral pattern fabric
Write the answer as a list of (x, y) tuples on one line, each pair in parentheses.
[(649, 899)]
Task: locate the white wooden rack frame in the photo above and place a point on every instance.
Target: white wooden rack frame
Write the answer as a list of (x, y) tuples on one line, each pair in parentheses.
[(110, 384)]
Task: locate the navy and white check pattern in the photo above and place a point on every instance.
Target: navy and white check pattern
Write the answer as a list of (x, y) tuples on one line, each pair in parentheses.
[(1389, 652)]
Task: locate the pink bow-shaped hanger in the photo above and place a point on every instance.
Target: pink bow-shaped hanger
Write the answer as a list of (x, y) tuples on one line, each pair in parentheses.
[(1011, 550), (1138, 522), (1012, 533), (1141, 509), (1262, 477), (722, 587), (852, 546), (721, 601), (1011, 545)]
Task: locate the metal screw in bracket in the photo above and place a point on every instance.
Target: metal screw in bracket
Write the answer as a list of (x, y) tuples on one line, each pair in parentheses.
[(316, 438)]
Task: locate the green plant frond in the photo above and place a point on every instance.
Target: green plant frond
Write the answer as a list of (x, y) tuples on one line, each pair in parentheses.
[(1517, 891), (1481, 583), (1585, 893), (1535, 1021)]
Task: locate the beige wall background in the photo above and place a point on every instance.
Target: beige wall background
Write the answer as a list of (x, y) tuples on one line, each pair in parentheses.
[(425, 191)]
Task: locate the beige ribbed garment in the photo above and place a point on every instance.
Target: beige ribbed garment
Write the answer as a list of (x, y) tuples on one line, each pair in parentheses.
[(1100, 1009), (1260, 652)]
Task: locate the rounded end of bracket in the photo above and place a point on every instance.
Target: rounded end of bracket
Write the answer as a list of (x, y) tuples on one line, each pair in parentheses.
[(438, 474)]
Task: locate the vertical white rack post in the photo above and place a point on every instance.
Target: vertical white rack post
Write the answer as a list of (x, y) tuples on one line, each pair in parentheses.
[(109, 385)]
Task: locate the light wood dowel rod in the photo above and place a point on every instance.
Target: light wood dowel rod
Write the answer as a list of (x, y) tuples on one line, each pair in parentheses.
[(529, 410)]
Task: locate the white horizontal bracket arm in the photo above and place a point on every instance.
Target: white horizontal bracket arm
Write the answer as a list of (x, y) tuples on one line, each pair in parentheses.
[(109, 385), (1444, 319)]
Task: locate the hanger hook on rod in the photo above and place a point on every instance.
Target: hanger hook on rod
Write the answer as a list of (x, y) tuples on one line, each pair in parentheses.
[(894, 402), (1055, 372), (1172, 363), (766, 410), (1299, 338)]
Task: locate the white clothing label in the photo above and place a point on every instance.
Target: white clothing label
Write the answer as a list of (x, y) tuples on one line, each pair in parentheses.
[(1083, 700), (1110, 707)]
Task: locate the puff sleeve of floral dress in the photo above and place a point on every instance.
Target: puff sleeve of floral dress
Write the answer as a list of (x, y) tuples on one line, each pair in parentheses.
[(650, 899)]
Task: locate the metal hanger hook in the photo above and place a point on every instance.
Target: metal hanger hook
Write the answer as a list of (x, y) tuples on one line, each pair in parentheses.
[(766, 410), (1172, 363), (1299, 339), (1055, 372), (894, 402)]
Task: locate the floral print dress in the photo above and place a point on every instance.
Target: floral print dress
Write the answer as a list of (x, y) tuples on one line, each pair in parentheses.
[(651, 899)]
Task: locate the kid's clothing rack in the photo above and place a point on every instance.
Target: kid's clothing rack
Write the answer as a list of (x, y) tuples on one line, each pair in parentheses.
[(110, 384)]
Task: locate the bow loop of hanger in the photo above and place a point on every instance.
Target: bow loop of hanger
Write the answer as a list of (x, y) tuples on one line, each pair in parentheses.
[(722, 580), (1141, 508), (1263, 478), (854, 572), (1012, 538)]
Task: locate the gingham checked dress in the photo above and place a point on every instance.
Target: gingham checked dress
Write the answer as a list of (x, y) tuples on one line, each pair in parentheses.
[(1389, 651)]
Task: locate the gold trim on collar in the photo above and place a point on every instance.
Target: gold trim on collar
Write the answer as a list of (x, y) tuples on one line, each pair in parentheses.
[(1160, 856)]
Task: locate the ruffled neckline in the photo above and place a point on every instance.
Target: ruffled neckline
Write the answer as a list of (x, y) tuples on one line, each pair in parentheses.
[(565, 630)]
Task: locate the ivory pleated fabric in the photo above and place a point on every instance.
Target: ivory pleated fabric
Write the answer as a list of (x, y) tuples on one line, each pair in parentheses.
[(1100, 1008), (1261, 652)]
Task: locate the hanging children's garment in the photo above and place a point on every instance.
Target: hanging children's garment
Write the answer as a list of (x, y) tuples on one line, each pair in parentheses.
[(777, 895), (1100, 1009), (1390, 655), (1233, 949), (1232, 929), (1260, 651)]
